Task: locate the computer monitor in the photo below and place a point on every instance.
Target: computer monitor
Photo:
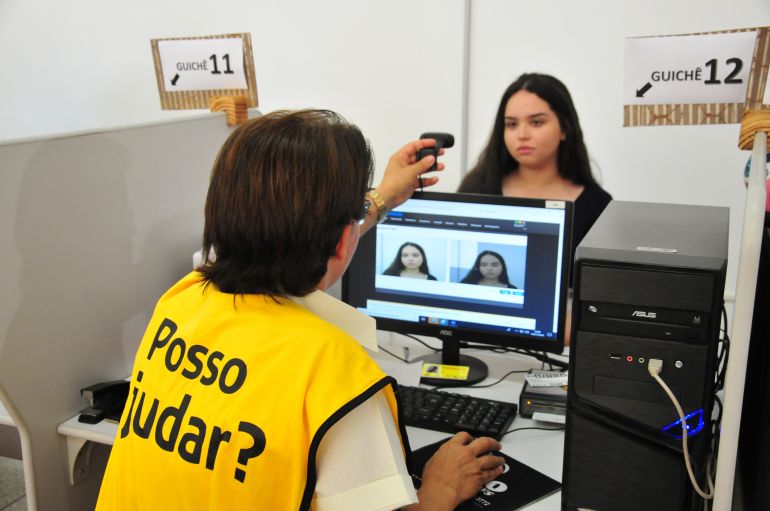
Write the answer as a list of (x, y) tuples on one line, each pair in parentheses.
[(462, 241)]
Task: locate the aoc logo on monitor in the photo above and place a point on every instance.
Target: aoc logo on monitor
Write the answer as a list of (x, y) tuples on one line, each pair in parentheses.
[(446, 332)]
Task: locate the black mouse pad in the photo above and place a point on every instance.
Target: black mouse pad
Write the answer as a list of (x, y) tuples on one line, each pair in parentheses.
[(515, 488)]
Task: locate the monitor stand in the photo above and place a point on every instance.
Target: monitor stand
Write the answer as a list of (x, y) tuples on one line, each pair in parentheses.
[(450, 355)]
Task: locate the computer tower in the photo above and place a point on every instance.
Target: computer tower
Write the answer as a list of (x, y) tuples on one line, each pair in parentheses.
[(649, 281)]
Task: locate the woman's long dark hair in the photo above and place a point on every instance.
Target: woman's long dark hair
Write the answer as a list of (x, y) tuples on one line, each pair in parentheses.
[(496, 161), (474, 275), (397, 266)]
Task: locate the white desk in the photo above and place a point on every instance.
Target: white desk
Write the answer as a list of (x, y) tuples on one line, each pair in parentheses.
[(541, 450)]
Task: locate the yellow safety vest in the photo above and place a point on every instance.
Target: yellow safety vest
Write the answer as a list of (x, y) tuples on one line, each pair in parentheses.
[(230, 398)]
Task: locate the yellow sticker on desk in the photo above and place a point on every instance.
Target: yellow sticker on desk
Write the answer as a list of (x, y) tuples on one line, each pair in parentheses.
[(445, 372)]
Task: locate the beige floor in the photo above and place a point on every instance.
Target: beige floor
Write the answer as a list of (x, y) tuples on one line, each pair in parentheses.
[(12, 496)]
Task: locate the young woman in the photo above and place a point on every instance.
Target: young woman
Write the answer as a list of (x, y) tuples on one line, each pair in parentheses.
[(489, 270), (536, 150), (410, 261)]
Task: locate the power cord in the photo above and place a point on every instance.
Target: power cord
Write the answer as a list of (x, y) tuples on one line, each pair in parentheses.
[(435, 350), (403, 359), (654, 367), (719, 380), (538, 355), (560, 428), (393, 354), (495, 383)]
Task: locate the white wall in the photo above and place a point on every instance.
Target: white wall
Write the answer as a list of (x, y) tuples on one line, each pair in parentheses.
[(395, 68)]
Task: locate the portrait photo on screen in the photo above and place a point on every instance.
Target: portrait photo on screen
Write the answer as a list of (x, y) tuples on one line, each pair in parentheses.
[(490, 264), (412, 256)]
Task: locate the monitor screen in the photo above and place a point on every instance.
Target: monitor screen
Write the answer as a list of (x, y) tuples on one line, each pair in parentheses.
[(466, 267)]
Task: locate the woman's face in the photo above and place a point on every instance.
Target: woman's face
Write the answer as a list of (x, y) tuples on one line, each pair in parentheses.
[(411, 258), (532, 132), (490, 267)]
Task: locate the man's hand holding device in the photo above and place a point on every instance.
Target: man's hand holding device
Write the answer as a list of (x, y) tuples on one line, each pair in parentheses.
[(443, 140), (408, 165)]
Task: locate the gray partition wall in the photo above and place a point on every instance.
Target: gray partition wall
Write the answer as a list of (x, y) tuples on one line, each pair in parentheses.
[(94, 228)]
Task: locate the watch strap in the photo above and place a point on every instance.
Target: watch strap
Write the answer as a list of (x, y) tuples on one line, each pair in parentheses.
[(377, 200)]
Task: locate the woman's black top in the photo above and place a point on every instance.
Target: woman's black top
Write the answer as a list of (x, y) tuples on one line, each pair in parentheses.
[(588, 206)]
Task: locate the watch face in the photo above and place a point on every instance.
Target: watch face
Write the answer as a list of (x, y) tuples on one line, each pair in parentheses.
[(365, 211)]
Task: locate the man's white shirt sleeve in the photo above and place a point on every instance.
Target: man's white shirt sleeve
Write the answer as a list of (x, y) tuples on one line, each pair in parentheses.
[(360, 463)]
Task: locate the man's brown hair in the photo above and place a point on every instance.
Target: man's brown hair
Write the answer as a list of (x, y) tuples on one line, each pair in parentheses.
[(283, 188)]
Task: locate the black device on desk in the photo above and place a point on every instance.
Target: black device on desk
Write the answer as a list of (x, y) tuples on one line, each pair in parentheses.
[(528, 240), (105, 399), (449, 412), (549, 400)]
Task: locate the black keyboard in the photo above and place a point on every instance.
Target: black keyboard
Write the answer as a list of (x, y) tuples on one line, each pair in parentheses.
[(449, 412)]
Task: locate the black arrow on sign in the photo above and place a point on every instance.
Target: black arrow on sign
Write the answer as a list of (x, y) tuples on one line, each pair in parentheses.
[(176, 78), (640, 92)]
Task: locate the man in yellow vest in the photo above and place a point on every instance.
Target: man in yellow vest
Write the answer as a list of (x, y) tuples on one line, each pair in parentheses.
[(250, 390)]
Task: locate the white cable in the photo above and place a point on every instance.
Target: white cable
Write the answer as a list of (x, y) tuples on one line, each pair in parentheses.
[(709, 479), (654, 368)]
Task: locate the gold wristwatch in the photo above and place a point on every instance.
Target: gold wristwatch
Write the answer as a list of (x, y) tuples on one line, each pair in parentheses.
[(375, 198)]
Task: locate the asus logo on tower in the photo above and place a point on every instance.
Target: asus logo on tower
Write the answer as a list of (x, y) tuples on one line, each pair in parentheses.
[(643, 314)]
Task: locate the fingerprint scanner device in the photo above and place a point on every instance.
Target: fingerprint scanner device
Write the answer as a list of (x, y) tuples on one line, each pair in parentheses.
[(545, 403)]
